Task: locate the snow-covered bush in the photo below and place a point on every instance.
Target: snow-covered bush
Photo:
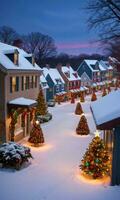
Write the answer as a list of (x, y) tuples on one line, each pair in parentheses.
[(44, 118), (14, 155)]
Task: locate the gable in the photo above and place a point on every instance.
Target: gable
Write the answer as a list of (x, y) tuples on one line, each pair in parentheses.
[(85, 77), (49, 81), (85, 68)]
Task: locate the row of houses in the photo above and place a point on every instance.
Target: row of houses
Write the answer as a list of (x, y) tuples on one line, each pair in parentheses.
[(65, 79), (20, 81)]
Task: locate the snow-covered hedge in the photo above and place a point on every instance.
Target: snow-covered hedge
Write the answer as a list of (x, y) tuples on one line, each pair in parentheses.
[(14, 155), (44, 118)]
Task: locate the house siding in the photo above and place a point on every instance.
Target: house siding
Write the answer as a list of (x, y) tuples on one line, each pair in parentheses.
[(51, 90), (85, 68)]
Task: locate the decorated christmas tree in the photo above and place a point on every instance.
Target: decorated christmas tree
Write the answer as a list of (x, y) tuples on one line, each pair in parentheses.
[(78, 110), (36, 134), (82, 99), (104, 92), (72, 98), (96, 161), (109, 89), (41, 108), (82, 128), (94, 97)]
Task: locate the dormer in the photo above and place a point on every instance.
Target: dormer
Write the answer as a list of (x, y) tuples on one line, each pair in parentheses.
[(13, 55), (58, 80), (31, 59), (16, 57), (75, 74), (67, 73)]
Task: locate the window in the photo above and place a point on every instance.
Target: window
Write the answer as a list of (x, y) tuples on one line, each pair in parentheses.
[(35, 81), (22, 83), (18, 128), (31, 82), (14, 84), (27, 82), (44, 84), (57, 88), (62, 87)]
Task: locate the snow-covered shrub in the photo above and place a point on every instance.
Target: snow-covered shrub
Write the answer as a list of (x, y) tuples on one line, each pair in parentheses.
[(14, 155), (44, 118)]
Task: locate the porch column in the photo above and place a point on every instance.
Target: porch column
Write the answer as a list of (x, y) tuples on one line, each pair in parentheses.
[(108, 139), (115, 179)]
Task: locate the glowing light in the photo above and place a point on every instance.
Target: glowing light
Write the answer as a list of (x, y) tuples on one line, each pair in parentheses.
[(84, 178), (37, 122), (97, 133), (82, 114)]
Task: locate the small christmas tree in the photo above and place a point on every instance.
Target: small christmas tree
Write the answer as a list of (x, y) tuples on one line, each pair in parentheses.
[(96, 161), (82, 99), (104, 92), (41, 108), (72, 98), (94, 97), (109, 89), (82, 128), (36, 134), (78, 110)]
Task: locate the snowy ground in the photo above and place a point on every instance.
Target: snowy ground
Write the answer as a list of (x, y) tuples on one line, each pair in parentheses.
[(54, 172)]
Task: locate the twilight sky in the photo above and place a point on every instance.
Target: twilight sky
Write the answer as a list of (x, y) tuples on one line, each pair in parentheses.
[(64, 20)]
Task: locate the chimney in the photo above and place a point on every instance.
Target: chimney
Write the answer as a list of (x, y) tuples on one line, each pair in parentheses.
[(47, 66), (33, 60), (59, 66), (68, 65)]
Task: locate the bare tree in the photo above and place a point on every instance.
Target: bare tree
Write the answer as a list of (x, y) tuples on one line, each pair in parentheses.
[(46, 47), (105, 17), (31, 41), (40, 45), (7, 34)]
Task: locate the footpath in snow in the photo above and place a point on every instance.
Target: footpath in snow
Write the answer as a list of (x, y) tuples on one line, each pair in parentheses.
[(54, 172)]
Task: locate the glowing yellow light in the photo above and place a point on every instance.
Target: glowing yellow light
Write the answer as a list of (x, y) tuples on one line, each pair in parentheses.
[(97, 133), (37, 122), (82, 114)]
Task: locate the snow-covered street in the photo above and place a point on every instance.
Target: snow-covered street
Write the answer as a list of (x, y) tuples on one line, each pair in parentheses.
[(54, 172)]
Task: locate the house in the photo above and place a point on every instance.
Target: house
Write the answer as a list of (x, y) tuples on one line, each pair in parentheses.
[(93, 71), (55, 82), (109, 70), (89, 72), (106, 114), (19, 87), (70, 77), (45, 87)]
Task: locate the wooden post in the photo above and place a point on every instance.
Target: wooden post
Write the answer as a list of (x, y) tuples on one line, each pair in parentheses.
[(115, 179)]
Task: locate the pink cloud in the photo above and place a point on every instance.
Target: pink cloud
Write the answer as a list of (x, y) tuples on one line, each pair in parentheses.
[(77, 45)]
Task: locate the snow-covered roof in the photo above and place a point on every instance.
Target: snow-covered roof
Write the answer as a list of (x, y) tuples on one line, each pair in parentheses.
[(114, 60), (71, 73), (105, 64), (82, 88), (106, 108), (23, 63), (101, 67), (54, 74), (94, 84), (21, 101), (43, 79), (91, 63)]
